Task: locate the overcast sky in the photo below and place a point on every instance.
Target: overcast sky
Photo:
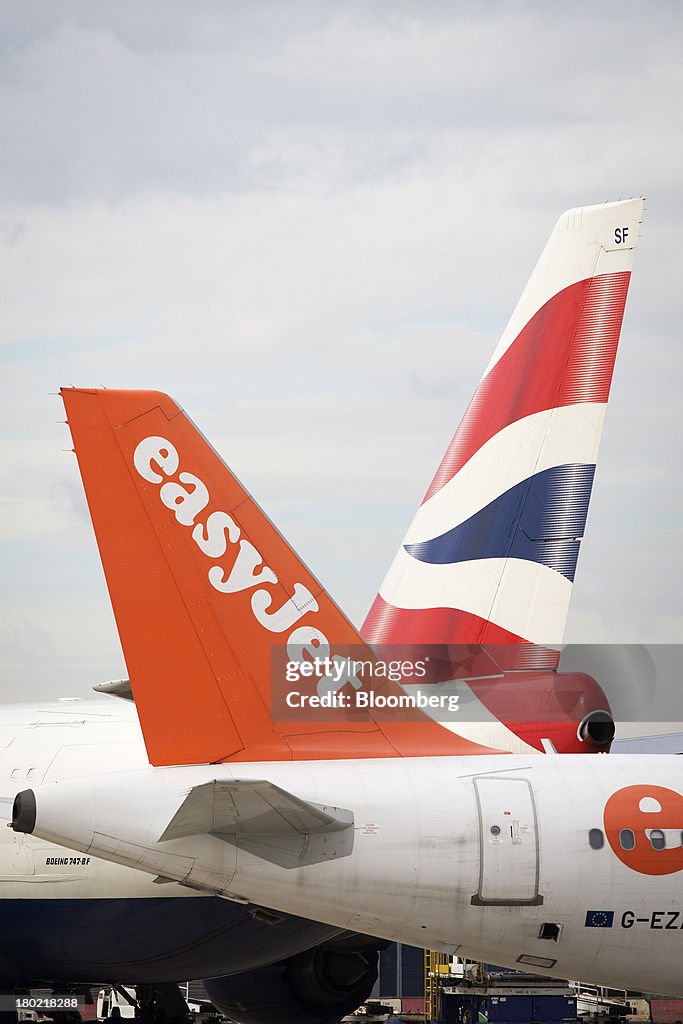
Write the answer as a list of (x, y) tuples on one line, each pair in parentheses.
[(309, 223)]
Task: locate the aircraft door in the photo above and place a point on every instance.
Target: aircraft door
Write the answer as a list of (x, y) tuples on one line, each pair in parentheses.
[(508, 842)]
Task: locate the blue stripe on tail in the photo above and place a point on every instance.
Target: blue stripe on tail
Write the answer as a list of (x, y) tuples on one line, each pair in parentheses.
[(541, 519)]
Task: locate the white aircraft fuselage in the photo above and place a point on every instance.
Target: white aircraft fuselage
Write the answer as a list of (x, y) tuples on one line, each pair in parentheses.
[(69, 917), (49, 742), (563, 864)]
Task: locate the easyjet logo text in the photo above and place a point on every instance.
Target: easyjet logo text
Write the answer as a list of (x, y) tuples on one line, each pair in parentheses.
[(156, 460)]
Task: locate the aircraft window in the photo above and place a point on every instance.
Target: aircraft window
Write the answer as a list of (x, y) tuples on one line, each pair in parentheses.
[(627, 840), (495, 830), (596, 839), (657, 839)]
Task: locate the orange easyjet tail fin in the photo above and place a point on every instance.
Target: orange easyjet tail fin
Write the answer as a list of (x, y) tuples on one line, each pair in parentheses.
[(204, 588)]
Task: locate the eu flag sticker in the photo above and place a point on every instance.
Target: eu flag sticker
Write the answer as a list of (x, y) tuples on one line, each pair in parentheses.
[(599, 918)]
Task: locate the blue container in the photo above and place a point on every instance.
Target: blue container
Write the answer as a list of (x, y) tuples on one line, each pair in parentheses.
[(469, 1008)]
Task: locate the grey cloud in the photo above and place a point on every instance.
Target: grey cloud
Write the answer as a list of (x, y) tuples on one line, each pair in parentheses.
[(98, 102)]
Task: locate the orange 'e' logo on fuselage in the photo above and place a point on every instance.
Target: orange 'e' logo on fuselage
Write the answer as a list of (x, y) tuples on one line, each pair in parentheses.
[(645, 807)]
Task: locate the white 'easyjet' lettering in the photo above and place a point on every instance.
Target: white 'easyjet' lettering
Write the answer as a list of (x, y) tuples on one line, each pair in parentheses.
[(156, 458)]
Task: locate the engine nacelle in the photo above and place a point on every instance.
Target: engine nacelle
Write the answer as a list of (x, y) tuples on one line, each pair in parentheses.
[(568, 708), (319, 986)]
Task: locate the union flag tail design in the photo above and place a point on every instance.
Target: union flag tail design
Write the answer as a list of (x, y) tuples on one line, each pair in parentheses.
[(491, 555), (202, 587)]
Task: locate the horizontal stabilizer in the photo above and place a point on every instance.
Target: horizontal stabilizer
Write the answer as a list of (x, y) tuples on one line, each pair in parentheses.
[(264, 819), (116, 688)]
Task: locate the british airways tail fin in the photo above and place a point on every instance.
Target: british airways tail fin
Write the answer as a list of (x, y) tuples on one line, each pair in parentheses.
[(203, 587), (491, 555)]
